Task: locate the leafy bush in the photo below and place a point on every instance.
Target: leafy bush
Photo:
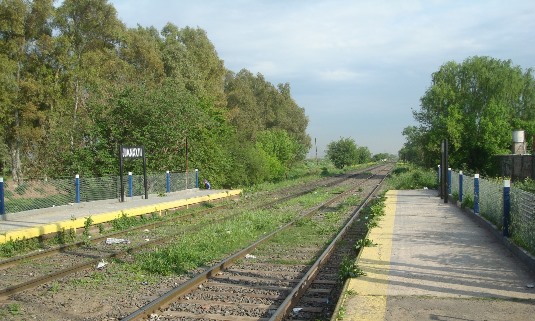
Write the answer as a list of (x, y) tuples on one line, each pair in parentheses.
[(527, 185), (412, 177)]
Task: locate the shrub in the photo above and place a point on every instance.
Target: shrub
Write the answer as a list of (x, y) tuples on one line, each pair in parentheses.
[(412, 177)]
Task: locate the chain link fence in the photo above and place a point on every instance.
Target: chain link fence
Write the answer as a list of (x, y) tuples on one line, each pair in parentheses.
[(491, 207), (37, 194), (523, 218)]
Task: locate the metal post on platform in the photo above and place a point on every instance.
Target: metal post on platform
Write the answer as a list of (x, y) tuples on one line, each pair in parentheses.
[(461, 186), (476, 194), (449, 180), (77, 188), (196, 178), (439, 183), (2, 204), (444, 171), (167, 182), (130, 185), (506, 206)]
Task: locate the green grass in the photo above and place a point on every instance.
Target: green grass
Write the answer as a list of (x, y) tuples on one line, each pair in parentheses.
[(211, 242), (12, 248), (12, 309)]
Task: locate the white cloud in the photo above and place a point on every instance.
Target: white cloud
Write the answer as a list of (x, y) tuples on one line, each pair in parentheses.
[(340, 75)]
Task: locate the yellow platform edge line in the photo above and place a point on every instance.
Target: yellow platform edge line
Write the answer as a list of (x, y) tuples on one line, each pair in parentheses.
[(55, 227), (370, 291)]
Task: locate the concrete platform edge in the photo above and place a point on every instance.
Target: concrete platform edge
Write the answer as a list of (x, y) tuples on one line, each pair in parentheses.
[(54, 227), (338, 311)]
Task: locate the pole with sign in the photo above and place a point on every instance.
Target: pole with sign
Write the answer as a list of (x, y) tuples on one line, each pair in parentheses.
[(132, 152)]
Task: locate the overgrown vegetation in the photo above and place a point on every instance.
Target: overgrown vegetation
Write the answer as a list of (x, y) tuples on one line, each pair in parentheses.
[(527, 185), (15, 247), (207, 244), (349, 269), (74, 88), (408, 176)]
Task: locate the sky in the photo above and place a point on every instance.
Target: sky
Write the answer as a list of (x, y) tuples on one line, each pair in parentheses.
[(357, 67)]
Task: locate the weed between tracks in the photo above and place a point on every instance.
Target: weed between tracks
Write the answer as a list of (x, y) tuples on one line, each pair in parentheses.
[(216, 241)]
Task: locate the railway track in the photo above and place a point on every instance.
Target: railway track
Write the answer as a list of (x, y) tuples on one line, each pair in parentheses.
[(48, 265), (271, 280)]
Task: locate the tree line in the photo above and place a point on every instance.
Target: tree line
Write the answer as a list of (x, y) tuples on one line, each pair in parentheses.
[(476, 105), (76, 83)]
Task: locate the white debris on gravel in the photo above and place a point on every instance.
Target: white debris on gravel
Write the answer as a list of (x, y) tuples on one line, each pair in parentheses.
[(112, 240), (250, 256), (101, 264)]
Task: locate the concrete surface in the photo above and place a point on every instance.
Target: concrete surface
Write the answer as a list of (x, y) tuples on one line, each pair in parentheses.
[(432, 262), (34, 223)]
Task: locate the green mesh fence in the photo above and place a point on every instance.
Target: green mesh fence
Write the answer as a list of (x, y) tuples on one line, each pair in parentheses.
[(491, 201), (522, 227), (36, 194), (523, 219), (468, 187)]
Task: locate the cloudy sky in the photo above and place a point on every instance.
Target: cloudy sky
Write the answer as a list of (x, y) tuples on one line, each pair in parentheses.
[(358, 67)]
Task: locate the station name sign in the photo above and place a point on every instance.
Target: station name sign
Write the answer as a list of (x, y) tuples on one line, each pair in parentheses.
[(132, 152)]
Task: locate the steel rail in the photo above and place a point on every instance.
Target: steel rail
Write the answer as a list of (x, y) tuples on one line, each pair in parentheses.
[(5, 292), (64, 248), (166, 299), (298, 291)]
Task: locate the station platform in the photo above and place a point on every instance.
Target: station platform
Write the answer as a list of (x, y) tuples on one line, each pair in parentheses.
[(35, 223), (433, 261)]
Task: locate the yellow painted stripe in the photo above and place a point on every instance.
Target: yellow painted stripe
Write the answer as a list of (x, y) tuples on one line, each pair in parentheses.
[(369, 304), (109, 216)]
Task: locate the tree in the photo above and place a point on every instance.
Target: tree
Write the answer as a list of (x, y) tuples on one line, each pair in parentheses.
[(363, 155), (343, 152), (75, 84), (25, 30), (413, 149), (475, 105), (255, 105)]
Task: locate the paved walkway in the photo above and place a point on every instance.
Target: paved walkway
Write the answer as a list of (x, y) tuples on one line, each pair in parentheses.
[(433, 262), (34, 223)]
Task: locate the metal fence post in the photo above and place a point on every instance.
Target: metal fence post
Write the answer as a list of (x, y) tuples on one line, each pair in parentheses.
[(439, 186), (77, 188), (2, 204), (461, 186), (130, 185), (196, 178), (476, 194), (506, 206), (167, 182), (449, 181)]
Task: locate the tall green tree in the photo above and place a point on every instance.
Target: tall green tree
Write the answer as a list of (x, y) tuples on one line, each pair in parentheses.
[(89, 34), (363, 155), (25, 31), (256, 105), (476, 105), (413, 149), (343, 152)]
